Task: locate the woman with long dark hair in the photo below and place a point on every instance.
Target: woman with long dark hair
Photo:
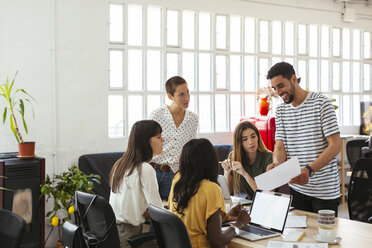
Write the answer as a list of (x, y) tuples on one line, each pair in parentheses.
[(248, 159), (197, 198), (133, 180)]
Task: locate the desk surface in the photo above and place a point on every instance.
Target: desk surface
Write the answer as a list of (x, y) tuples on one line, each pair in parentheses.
[(353, 233)]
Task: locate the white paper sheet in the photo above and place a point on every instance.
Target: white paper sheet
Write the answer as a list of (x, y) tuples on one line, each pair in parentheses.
[(296, 221), (278, 176), (280, 244)]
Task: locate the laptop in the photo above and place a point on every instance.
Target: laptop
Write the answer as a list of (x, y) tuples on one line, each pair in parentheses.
[(232, 200), (268, 213)]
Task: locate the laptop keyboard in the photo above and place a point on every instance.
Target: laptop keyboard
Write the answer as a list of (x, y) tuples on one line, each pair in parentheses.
[(257, 231)]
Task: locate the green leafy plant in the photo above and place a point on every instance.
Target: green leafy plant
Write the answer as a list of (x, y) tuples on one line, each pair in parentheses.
[(62, 188), (15, 103)]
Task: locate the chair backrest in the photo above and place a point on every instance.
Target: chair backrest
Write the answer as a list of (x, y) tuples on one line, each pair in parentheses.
[(360, 190), (354, 150), (72, 236), (97, 219), (12, 228), (169, 230)]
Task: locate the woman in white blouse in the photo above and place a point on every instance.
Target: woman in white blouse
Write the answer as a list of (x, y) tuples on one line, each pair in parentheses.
[(179, 126), (133, 180)]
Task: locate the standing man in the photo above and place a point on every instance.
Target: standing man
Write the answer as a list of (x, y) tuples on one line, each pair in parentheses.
[(306, 127)]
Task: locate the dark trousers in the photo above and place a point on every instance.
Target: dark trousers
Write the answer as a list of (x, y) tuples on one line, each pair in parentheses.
[(312, 204)]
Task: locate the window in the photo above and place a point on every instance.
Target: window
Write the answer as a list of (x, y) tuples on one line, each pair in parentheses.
[(225, 59)]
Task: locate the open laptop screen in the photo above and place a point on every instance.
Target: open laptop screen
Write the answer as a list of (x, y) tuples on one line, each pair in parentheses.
[(270, 209)]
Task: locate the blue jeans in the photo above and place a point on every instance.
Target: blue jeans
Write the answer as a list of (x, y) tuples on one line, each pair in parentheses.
[(164, 182)]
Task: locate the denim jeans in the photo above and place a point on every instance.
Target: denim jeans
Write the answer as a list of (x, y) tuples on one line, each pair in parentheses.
[(164, 182), (312, 204)]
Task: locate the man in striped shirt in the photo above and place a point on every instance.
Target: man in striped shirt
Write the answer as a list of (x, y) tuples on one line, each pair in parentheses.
[(306, 127)]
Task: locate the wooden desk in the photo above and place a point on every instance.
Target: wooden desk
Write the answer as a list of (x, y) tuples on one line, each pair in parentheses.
[(353, 233)]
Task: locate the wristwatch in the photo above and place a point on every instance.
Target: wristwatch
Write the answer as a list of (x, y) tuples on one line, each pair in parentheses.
[(236, 229), (311, 171)]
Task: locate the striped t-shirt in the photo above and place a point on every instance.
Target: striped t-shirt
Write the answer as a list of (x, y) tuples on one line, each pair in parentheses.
[(303, 130)]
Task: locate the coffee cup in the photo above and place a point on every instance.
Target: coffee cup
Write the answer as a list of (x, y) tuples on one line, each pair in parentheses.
[(327, 226)]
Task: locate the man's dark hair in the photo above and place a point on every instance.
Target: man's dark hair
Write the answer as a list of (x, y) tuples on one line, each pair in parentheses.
[(282, 68)]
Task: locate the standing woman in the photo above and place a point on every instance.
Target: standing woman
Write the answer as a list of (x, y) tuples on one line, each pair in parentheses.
[(179, 126), (133, 180), (248, 159), (197, 198)]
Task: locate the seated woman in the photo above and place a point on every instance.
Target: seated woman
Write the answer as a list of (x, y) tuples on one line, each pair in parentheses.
[(197, 199), (133, 180), (248, 159)]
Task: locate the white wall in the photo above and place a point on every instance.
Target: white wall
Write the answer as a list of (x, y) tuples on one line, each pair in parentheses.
[(60, 49)]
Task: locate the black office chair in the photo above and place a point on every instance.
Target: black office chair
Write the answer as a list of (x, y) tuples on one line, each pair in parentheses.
[(354, 150), (97, 219), (360, 191), (72, 236), (12, 228), (169, 230)]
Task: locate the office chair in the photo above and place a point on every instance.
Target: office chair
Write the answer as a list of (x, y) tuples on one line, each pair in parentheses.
[(170, 232), (72, 236), (97, 219), (354, 150), (12, 228), (360, 191)]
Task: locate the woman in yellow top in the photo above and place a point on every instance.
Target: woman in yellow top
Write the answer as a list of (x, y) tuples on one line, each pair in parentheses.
[(197, 199)]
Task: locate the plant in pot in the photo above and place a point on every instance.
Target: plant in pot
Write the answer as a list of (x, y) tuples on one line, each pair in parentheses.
[(15, 100), (61, 188), (264, 96)]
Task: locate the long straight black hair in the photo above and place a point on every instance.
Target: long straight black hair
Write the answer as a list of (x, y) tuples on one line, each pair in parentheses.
[(138, 151), (198, 161)]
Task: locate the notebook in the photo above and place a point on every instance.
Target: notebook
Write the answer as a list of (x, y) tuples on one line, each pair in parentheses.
[(232, 200), (269, 213)]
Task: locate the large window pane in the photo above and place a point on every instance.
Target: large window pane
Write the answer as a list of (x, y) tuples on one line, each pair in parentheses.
[(204, 72), (275, 60), (324, 80), (116, 22), (264, 36), (134, 25), (313, 40), (356, 77), (356, 44), (204, 31), (188, 69), (289, 38), (115, 116), (153, 26), (345, 76), (172, 65), (313, 75), (276, 39), (221, 72), (250, 73), (336, 76), (346, 108), (221, 28), (192, 104), (235, 73), (205, 114), (221, 116), (367, 76), (263, 68), (325, 41), (188, 29), (135, 112), (367, 45), (172, 28), (135, 70), (346, 43), (302, 72), (235, 33), (336, 42), (154, 81), (249, 35), (235, 110), (153, 102), (302, 39), (116, 69), (356, 110), (250, 105)]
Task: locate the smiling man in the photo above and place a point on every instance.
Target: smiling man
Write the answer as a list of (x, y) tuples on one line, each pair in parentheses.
[(306, 127)]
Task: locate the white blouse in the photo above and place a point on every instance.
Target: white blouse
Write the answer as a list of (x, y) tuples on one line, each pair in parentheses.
[(174, 137), (134, 195)]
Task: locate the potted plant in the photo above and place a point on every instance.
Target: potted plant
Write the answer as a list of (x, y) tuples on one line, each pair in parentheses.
[(265, 95), (61, 188), (15, 100)]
